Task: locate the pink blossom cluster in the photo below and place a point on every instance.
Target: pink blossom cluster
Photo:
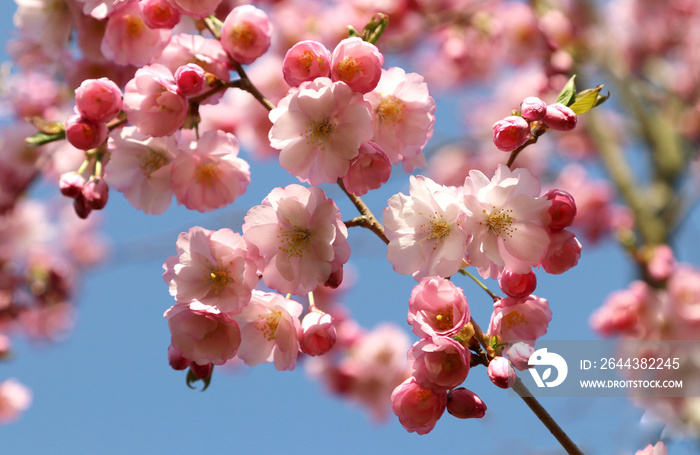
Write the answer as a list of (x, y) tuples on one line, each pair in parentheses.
[(498, 225)]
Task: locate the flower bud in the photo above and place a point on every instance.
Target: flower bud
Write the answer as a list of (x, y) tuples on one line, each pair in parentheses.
[(96, 193), (560, 117), (465, 404), (662, 263), (357, 63), (85, 134), (176, 360), (80, 206), (563, 253), (71, 184), (305, 61), (201, 371), (318, 333), (519, 355), (159, 14), (98, 100), (510, 133), (246, 34), (501, 372), (517, 285), (563, 209), (191, 79), (533, 108)]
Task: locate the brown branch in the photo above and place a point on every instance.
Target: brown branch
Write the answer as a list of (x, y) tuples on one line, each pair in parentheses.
[(368, 219)]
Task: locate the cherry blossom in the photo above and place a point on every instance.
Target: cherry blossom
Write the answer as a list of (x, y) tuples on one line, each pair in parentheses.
[(506, 218), (369, 170), (211, 270), (270, 329), (357, 63), (98, 100), (208, 174), (245, 34), (437, 308), (305, 61), (523, 319), (318, 129), (15, 398), (424, 232), (439, 363), (418, 408), (299, 236)]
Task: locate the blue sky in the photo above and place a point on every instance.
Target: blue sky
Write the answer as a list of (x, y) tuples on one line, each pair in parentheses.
[(107, 389)]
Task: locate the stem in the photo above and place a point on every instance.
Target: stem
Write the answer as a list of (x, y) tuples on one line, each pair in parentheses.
[(367, 219), (546, 419), (494, 296), (537, 131)]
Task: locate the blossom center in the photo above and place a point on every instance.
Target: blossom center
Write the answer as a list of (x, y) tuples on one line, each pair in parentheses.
[(444, 319), (305, 60), (243, 34), (439, 228), (449, 362), (218, 277), (152, 161), (348, 68), (206, 173), (500, 222), (424, 394), (320, 131), (295, 241), (512, 319), (268, 323), (390, 110), (134, 26)]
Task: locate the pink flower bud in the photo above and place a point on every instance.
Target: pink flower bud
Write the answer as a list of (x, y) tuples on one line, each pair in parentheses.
[(510, 133), (519, 355), (417, 408), (465, 404), (159, 14), (357, 63), (305, 61), (85, 134), (563, 209), (517, 285), (71, 184), (80, 206), (176, 360), (201, 371), (501, 372), (191, 79), (98, 100), (533, 108), (560, 117), (662, 263), (368, 171), (246, 33), (563, 253), (318, 333), (335, 279), (96, 193)]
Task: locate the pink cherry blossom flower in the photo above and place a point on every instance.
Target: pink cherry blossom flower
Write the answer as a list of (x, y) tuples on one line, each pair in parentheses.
[(501, 372), (46, 23), (198, 9), (465, 404), (99, 100), (662, 264), (318, 333), (211, 270), (318, 129), (506, 218), (684, 292), (202, 336), (418, 408), (300, 238), (206, 53), (519, 355), (403, 116), (437, 308), (623, 310), (85, 134), (159, 13), (129, 41), (563, 252), (139, 166), (563, 209), (369, 170), (423, 230), (209, 174), (657, 449), (305, 61), (270, 330), (357, 63), (520, 319), (153, 103), (15, 398), (191, 79), (439, 363), (510, 133), (246, 33)]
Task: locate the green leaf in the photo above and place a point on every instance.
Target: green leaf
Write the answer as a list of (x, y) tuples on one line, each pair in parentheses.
[(192, 378), (43, 138), (352, 31), (375, 27), (588, 99), (568, 93)]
